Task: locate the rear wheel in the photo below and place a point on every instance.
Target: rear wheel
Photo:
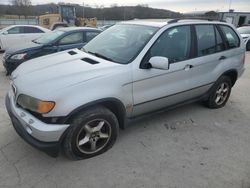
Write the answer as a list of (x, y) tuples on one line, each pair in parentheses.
[(92, 133), (220, 93)]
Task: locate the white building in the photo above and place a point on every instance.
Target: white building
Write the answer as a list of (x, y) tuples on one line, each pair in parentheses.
[(236, 18)]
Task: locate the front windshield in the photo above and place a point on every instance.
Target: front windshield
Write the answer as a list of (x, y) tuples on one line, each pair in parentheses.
[(5, 29), (49, 37), (120, 43), (244, 30)]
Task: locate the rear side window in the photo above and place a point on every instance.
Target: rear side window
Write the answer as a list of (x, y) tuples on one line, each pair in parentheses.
[(73, 38), (232, 39), (174, 44), (206, 40), (32, 30)]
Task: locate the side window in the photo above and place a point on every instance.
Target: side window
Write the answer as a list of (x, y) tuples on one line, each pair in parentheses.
[(32, 30), (220, 46), (73, 38), (231, 37), (206, 43), (174, 44), (16, 30), (90, 35)]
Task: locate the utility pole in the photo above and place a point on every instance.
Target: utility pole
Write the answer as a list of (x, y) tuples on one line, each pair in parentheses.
[(124, 13), (230, 3), (83, 10)]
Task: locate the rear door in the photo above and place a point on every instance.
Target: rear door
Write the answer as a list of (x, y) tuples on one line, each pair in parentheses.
[(209, 53), (31, 33)]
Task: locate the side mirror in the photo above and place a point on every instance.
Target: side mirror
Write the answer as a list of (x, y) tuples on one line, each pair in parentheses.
[(159, 62), (5, 33)]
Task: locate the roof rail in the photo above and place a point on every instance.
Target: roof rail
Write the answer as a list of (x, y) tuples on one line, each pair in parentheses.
[(175, 20)]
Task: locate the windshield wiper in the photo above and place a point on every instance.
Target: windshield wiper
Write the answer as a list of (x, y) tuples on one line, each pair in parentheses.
[(100, 55)]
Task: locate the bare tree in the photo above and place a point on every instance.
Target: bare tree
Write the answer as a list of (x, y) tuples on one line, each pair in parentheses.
[(23, 7)]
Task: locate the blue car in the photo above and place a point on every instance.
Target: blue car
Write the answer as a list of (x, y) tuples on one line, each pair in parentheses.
[(55, 41)]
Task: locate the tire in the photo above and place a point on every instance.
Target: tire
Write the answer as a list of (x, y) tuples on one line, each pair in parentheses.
[(218, 96), (248, 46), (83, 139)]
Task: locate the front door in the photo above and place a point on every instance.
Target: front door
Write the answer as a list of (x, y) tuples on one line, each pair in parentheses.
[(14, 37), (154, 89)]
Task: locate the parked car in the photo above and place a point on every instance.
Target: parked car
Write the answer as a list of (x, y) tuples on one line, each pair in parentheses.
[(245, 33), (58, 40), (77, 100), (19, 34)]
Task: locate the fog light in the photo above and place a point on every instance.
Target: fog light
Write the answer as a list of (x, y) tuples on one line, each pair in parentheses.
[(28, 129)]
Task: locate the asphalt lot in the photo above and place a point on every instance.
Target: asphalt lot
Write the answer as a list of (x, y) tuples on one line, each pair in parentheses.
[(188, 147)]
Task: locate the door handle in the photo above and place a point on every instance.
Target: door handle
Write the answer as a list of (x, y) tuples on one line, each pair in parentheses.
[(187, 67), (222, 58)]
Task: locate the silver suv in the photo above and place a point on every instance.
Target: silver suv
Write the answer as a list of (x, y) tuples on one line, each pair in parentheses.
[(77, 100)]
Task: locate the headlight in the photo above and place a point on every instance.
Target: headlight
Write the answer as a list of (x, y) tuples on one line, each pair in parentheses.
[(35, 105), (18, 56)]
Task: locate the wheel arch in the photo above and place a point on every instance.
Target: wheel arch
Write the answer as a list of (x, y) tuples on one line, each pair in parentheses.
[(113, 104), (232, 74)]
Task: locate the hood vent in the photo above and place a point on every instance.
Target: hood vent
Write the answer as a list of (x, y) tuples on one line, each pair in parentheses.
[(72, 53), (90, 61)]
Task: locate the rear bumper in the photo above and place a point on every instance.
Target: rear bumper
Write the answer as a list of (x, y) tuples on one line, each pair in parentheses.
[(25, 131)]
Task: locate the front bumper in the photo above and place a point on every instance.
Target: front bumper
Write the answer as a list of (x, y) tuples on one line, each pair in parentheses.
[(45, 137)]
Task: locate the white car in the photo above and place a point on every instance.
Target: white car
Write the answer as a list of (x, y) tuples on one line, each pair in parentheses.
[(75, 101), (245, 33), (14, 35)]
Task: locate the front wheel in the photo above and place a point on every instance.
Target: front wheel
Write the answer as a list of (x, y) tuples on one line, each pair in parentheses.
[(220, 93), (248, 46), (92, 133)]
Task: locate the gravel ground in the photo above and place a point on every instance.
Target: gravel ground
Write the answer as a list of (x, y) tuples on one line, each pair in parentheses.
[(188, 147)]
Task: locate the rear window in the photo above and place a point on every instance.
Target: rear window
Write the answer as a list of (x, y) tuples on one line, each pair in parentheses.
[(232, 39), (32, 30)]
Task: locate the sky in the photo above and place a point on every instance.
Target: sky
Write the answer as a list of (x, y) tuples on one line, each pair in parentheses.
[(174, 5)]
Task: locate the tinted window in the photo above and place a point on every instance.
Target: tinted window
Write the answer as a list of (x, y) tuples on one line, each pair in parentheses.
[(231, 37), (32, 30), (206, 43), (90, 35), (73, 38), (220, 46), (16, 30), (49, 37), (173, 44)]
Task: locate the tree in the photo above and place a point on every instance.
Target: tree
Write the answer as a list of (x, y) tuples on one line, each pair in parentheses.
[(23, 7), (21, 3)]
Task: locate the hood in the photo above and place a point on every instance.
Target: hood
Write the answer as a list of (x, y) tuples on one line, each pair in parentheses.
[(22, 48), (245, 35), (41, 76)]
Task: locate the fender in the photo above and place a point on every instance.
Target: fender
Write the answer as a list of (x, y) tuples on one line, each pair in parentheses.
[(113, 104)]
